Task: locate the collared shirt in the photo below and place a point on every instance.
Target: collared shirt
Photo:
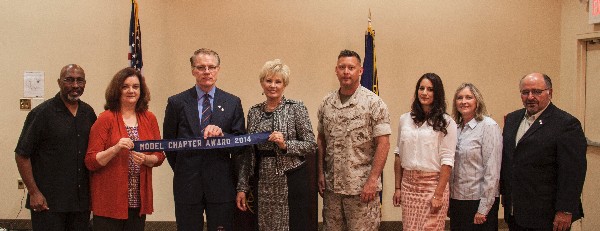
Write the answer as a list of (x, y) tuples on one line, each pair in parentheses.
[(421, 148), (476, 172), (350, 130), (201, 93), (56, 142), (526, 123)]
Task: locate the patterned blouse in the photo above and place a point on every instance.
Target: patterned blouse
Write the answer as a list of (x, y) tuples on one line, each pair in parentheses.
[(134, 172), (291, 119)]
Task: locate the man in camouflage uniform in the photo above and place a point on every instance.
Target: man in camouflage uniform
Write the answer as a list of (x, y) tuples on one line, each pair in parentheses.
[(353, 143)]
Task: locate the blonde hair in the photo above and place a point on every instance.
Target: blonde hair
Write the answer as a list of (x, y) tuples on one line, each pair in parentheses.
[(275, 67), (480, 110)]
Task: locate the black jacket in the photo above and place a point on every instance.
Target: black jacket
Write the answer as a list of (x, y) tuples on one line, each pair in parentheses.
[(544, 172), (203, 172)]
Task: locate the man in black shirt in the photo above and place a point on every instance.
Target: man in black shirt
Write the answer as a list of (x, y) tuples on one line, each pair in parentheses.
[(50, 155)]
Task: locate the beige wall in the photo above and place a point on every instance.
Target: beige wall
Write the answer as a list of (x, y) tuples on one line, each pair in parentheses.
[(574, 29), (489, 43)]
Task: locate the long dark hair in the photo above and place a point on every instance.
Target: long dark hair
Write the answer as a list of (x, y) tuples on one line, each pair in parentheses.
[(113, 91), (435, 117)]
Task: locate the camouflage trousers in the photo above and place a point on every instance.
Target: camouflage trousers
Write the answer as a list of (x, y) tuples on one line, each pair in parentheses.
[(347, 212)]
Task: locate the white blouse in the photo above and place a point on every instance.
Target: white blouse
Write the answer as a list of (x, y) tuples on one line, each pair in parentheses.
[(422, 148)]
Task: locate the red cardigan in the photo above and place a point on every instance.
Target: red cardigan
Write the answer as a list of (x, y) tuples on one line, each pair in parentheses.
[(109, 184)]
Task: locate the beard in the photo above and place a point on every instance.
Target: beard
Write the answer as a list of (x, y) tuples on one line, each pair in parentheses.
[(73, 98), (67, 96)]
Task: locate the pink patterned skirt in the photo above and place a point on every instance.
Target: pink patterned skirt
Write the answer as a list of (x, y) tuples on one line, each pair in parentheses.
[(417, 190)]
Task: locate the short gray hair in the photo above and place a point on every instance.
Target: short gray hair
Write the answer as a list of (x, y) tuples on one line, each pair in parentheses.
[(205, 51)]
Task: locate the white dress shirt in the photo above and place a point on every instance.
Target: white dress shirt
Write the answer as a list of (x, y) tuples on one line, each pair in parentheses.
[(422, 148)]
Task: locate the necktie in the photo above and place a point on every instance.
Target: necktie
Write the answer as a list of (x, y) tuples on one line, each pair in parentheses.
[(206, 112)]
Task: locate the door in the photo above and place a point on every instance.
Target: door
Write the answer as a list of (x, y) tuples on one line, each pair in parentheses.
[(592, 92)]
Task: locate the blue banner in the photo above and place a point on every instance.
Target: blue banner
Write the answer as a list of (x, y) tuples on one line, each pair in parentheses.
[(200, 143)]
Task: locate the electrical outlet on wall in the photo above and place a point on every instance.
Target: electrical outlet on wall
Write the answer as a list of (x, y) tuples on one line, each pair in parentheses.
[(25, 104), (20, 183)]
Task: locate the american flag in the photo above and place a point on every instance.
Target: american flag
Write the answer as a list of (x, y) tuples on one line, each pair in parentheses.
[(135, 38)]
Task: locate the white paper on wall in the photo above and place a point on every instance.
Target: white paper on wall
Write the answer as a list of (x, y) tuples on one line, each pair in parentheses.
[(33, 83)]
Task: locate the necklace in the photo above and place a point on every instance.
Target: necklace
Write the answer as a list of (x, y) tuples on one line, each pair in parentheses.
[(269, 108)]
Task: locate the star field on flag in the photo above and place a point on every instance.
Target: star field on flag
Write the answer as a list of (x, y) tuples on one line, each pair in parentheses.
[(135, 38)]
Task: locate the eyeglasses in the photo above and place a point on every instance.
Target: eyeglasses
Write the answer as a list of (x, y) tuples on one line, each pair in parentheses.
[(202, 68), (535, 92), (71, 80)]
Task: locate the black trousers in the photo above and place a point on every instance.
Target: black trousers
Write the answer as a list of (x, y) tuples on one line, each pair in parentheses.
[(462, 213), (134, 222), (299, 199), (219, 216), (60, 221)]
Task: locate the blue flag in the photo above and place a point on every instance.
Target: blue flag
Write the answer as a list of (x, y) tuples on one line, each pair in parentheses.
[(369, 76), (135, 39)]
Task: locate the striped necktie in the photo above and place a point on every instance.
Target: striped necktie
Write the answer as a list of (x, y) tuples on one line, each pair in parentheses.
[(206, 112)]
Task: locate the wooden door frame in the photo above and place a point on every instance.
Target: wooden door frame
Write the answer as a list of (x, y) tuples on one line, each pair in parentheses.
[(581, 76)]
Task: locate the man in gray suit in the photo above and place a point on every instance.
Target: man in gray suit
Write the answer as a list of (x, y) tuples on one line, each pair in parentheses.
[(204, 180)]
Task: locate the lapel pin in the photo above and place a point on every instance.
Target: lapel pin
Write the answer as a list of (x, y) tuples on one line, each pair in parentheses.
[(541, 122)]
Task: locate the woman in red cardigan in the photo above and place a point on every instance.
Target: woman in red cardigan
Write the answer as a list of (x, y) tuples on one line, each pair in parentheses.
[(120, 179)]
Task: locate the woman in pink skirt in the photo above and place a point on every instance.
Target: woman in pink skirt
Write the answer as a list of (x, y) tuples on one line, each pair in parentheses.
[(424, 157)]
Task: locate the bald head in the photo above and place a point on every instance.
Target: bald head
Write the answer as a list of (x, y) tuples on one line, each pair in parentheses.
[(71, 83), (536, 92), (71, 68)]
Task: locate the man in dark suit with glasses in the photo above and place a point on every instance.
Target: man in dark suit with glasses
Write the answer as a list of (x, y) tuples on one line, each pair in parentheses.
[(543, 161), (205, 180)]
